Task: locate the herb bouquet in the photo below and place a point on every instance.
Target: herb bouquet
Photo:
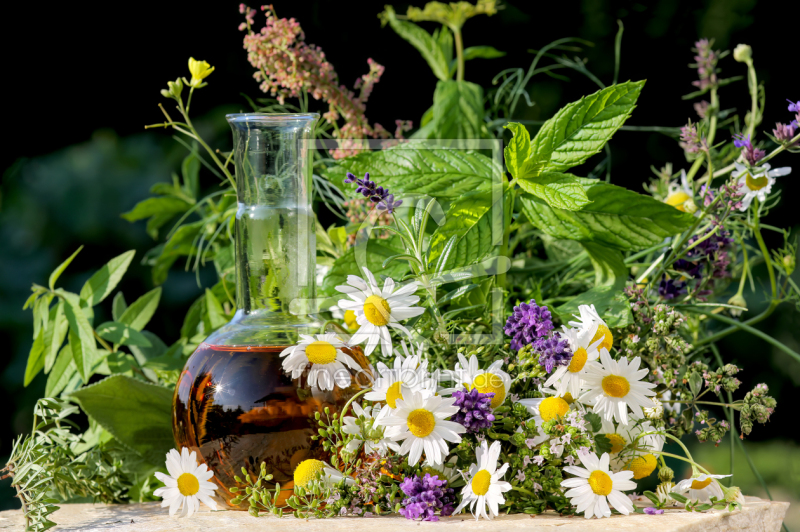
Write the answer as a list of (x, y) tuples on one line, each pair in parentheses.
[(537, 338)]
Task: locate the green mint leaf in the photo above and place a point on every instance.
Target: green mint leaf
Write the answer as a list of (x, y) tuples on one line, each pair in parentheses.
[(582, 128), (562, 191), (616, 217), (119, 333), (139, 313), (61, 267), (482, 52), (458, 111), (610, 302), (61, 373), (420, 39)]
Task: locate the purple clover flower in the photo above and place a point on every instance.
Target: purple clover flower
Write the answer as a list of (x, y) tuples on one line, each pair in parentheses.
[(670, 289), (376, 194), (553, 351), (653, 511), (751, 154), (424, 496), (528, 322), (475, 410)]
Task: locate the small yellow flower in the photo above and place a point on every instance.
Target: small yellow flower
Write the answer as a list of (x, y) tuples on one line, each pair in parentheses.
[(200, 70)]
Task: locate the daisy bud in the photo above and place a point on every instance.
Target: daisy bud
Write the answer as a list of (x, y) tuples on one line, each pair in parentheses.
[(665, 474), (733, 494), (739, 301), (689, 206), (743, 53)]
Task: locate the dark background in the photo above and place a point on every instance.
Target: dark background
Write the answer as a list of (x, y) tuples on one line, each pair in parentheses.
[(81, 81)]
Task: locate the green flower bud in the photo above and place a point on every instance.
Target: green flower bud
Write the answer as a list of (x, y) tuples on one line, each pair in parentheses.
[(743, 53), (665, 474), (789, 264)]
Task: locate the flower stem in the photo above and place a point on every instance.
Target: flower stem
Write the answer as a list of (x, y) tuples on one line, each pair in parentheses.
[(459, 54)]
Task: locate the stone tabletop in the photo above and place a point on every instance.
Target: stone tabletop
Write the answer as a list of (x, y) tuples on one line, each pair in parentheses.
[(757, 515)]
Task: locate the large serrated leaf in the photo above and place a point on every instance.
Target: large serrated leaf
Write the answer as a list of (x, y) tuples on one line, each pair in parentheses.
[(609, 265), (137, 414), (458, 111), (425, 44), (563, 191), (616, 217), (472, 220), (581, 129), (439, 173)]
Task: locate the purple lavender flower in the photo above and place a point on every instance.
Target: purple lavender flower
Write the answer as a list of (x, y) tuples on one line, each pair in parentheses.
[(670, 289), (784, 132), (528, 322), (751, 154), (424, 496), (706, 64), (376, 194), (691, 140), (653, 511), (475, 410), (794, 107), (553, 351)]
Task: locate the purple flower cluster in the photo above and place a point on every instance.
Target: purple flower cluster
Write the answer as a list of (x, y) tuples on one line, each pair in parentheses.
[(750, 153), (670, 288), (784, 132), (528, 322), (475, 410), (795, 108), (424, 496), (376, 194), (653, 511), (691, 140), (706, 63), (553, 351)]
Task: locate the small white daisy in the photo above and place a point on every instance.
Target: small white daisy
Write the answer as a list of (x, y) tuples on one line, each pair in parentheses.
[(757, 182), (680, 195), (701, 487), (595, 487), (568, 379), (484, 485), (307, 470), (409, 373), (376, 310), (468, 375), (544, 409), (615, 386), (591, 322), (324, 354), (421, 422), (367, 434), (186, 485)]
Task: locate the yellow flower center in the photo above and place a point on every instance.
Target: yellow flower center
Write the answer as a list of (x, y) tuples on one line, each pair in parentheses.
[(377, 310), (642, 466), (320, 352), (603, 332), (420, 422), (481, 482), (600, 483), (307, 471), (568, 398), (579, 358), (756, 183), (553, 407), (393, 394), (677, 199), (617, 442), (188, 484), (700, 484), (350, 320), (616, 386), (491, 383)]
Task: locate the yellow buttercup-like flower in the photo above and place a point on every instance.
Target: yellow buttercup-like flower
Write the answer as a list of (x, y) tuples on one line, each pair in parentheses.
[(200, 70)]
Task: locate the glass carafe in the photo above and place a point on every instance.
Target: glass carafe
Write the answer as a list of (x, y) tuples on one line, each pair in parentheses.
[(234, 404)]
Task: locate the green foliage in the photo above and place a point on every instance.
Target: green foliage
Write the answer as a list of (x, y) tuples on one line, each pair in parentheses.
[(458, 111), (348, 264), (136, 413), (615, 217), (103, 282), (429, 46)]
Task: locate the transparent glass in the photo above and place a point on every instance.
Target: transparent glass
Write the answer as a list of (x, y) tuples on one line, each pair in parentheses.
[(233, 403)]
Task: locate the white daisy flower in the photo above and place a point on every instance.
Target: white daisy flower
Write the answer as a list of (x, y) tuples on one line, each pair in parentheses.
[(544, 409), (420, 421), (484, 487), (568, 379), (757, 182), (615, 386), (468, 375), (595, 487), (367, 434), (376, 310), (680, 195), (186, 485), (623, 456), (409, 373), (324, 354), (307, 470), (591, 322), (701, 487)]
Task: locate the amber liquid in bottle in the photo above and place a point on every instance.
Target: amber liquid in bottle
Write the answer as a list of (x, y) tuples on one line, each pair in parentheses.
[(237, 407)]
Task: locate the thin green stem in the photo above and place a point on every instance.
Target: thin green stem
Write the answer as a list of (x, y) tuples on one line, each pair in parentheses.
[(755, 332), (763, 247), (663, 453), (752, 82), (459, 54)]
